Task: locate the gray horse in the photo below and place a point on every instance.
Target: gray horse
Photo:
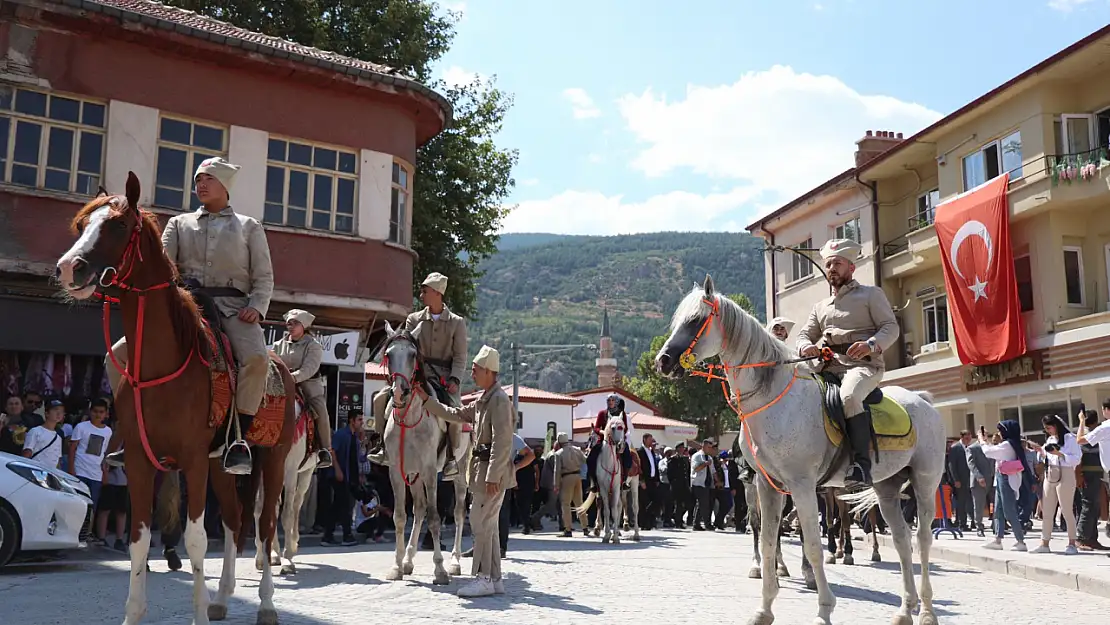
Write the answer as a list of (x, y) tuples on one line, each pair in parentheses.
[(608, 476), (416, 436), (789, 440)]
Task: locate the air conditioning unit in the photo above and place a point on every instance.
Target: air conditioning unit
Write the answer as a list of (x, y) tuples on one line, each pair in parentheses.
[(934, 347)]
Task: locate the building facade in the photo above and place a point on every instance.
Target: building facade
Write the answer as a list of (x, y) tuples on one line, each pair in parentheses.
[(1049, 129), (327, 144)]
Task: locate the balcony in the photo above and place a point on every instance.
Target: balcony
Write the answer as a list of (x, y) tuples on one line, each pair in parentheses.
[(914, 251), (1079, 177)]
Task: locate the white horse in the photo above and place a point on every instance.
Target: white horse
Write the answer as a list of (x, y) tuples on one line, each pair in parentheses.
[(608, 476), (786, 436), (299, 466), (415, 435), (630, 500)]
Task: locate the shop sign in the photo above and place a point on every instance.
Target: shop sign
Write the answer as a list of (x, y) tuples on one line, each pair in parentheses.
[(1027, 368), (340, 348), (350, 395)]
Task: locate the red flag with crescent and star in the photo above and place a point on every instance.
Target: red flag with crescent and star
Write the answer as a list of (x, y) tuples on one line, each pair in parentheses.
[(973, 230)]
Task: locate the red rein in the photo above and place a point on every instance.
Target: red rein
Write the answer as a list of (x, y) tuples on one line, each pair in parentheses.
[(400, 421)]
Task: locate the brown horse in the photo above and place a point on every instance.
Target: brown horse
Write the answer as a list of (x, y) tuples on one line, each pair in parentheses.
[(166, 401)]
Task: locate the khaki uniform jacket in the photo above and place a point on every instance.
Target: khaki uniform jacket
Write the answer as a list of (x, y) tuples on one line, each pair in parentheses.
[(492, 415), (568, 459), (443, 340), (856, 313), (303, 358), (223, 249)]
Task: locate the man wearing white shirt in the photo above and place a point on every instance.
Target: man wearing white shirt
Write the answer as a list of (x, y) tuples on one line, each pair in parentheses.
[(87, 447), (701, 481), (1099, 436), (43, 443)]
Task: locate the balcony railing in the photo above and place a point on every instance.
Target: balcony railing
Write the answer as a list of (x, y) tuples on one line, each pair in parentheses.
[(901, 244), (1077, 166), (921, 220)]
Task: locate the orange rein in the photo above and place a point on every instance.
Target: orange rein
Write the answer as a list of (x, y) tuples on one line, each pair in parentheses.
[(687, 361)]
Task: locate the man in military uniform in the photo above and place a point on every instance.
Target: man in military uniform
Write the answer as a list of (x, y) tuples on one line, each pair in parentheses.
[(780, 328), (227, 255), (442, 337), (491, 472), (302, 353), (858, 324)]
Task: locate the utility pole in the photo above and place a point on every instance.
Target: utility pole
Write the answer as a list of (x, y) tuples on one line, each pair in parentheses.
[(516, 348)]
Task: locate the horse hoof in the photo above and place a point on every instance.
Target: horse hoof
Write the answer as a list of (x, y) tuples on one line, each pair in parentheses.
[(409, 566), (783, 571), (288, 569), (441, 579), (597, 533), (756, 572), (454, 569), (275, 561), (849, 560), (830, 560), (636, 538), (811, 583), (762, 617), (821, 621), (267, 617), (394, 575), (875, 557), (217, 612), (605, 541), (257, 565), (616, 540), (928, 618), (901, 619)]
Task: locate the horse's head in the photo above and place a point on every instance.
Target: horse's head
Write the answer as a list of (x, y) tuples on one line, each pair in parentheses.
[(108, 230), (614, 432), (402, 361), (694, 336)]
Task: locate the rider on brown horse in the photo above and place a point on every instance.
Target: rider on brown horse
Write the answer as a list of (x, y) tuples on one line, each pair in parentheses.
[(302, 353), (227, 256), (615, 407)]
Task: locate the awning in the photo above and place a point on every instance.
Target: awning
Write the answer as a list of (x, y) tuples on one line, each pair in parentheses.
[(41, 325)]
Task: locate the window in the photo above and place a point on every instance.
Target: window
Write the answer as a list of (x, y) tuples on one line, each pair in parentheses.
[(926, 210), (848, 230), (992, 160), (51, 141), (800, 268), (400, 204), (1073, 276), (310, 186), (935, 316), (182, 146), (1023, 275)]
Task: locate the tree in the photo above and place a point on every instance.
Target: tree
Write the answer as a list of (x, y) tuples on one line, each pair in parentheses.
[(462, 176), (693, 399)]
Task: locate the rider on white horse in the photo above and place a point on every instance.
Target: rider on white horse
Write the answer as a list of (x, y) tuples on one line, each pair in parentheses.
[(858, 324), (302, 353), (615, 407)]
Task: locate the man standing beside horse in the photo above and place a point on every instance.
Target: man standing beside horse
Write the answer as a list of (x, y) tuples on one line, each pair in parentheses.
[(858, 325), (302, 353), (224, 255), (441, 335)]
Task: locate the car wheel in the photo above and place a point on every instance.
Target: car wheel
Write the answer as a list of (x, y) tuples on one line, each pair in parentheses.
[(9, 535)]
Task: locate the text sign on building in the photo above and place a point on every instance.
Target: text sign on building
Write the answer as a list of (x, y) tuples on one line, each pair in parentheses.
[(1027, 368), (340, 348)]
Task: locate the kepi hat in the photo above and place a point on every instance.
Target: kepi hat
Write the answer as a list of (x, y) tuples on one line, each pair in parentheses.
[(488, 358), (845, 248), (437, 282)]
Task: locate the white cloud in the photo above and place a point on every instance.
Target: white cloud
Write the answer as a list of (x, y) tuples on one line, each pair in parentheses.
[(1066, 5), (779, 130), (456, 76), (592, 212), (581, 103)]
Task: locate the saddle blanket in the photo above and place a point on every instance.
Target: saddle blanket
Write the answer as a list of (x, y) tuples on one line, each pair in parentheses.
[(268, 422), (894, 430)]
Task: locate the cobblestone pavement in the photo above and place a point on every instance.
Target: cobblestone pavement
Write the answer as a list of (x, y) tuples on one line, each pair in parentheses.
[(691, 578)]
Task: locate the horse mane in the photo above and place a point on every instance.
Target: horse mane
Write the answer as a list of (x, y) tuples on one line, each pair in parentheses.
[(185, 315), (745, 340)]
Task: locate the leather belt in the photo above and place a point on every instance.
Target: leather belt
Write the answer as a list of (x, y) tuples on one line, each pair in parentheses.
[(219, 291)]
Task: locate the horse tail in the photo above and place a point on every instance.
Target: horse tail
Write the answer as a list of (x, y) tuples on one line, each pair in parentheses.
[(168, 506), (926, 395), (863, 501), (586, 505)]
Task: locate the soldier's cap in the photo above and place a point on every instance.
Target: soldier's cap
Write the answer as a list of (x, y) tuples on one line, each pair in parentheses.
[(437, 282), (680, 444), (780, 321), (219, 169), (488, 358), (302, 317), (847, 249), (562, 438)]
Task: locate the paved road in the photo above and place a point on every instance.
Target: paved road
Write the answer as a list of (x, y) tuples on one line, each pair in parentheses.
[(679, 577)]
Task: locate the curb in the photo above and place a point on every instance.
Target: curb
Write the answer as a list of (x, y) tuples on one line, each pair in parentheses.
[(1004, 565)]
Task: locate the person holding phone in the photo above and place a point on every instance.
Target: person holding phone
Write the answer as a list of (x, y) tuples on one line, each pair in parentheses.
[(1061, 455), (982, 479)]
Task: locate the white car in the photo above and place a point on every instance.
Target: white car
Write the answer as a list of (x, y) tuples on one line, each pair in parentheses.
[(40, 509)]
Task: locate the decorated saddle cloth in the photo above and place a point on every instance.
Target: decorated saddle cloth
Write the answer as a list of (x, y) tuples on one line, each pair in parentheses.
[(891, 423), (268, 422)]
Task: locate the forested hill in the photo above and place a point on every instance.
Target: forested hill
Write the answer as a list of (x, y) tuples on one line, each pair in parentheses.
[(543, 289)]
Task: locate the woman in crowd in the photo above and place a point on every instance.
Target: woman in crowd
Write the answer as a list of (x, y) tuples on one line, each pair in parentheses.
[(1012, 470), (1061, 454)]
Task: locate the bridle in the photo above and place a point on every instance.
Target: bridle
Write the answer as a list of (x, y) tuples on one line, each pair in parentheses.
[(399, 416)]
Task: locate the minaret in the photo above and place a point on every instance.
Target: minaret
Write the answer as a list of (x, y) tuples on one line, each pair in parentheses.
[(607, 373)]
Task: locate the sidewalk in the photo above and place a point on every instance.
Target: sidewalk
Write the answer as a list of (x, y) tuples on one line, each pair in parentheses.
[(1087, 572)]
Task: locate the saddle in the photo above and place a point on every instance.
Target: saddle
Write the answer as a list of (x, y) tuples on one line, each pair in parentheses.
[(891, 427), (268, 422)]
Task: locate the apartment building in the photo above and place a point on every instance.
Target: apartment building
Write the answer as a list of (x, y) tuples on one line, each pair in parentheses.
[(1049, 130), (93, 89)]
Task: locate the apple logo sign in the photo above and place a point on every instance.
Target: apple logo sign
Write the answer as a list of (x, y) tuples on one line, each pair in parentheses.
[(341, 350)]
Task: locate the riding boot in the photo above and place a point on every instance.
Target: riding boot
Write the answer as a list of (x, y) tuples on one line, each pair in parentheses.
[(450, 465), (859, 435), (237, 458)]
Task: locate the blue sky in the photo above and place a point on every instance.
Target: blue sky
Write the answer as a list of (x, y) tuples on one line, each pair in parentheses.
[(640, 116)]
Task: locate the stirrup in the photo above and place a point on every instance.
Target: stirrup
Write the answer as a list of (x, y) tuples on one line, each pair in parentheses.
[(238, 468), (450, 468), (857, 475), (379, 458), (323, 459)]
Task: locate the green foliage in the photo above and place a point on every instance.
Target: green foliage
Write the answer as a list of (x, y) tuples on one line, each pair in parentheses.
[(462, 176)]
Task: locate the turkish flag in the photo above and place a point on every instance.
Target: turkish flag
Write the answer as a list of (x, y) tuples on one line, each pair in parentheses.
[(973, 230)]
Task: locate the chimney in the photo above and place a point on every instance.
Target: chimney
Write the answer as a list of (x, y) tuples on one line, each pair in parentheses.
[(874, 143)]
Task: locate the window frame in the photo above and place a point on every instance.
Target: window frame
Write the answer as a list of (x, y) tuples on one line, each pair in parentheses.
[(838, 230), (998, 145), (1082, 303), (404, 230), (930, 303), (796, 262), (191, 151), (1032, 298), (312, 171), (930, 210), (46, 124)]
